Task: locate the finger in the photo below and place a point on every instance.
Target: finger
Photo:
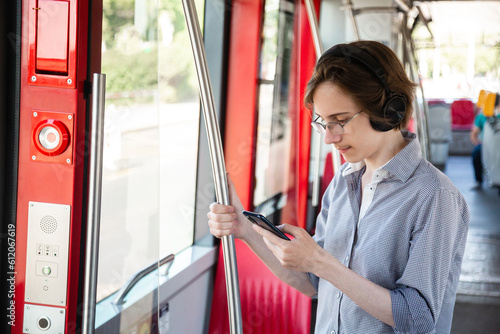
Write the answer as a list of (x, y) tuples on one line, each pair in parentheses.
[(290, 229), (222, 225), (220, 229), (222, 217), (267, 234), (275, 249), (219, 208), (220, 233), (226, 227)]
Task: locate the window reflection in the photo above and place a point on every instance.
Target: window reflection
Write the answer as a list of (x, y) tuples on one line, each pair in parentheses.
[(151, 138), (179, 115)]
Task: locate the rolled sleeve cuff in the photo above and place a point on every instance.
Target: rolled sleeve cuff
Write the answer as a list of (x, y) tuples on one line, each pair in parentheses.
[(410, 312)]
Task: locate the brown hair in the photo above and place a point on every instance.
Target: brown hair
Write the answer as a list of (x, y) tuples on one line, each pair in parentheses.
[(362, 84)]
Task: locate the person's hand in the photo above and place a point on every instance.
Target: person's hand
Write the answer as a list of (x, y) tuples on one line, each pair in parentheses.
[(228, 219), (302, 253)]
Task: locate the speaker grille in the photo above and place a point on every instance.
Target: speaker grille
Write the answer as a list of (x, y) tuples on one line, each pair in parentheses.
[(48, 224)]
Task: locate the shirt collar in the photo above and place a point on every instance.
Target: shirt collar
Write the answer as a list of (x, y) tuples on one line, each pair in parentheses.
[(402, 165)]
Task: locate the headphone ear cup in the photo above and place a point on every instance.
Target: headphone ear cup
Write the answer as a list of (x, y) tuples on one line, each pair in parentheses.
[(394, 113), (395, 109), (379, 126)]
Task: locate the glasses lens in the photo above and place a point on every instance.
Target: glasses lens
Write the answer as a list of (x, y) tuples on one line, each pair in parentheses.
[(318, 127), (335, 128)]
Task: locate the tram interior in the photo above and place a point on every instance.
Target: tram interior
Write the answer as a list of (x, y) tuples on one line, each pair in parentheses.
[(157, 178)]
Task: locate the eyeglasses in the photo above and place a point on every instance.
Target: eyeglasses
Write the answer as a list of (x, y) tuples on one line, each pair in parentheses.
[(334, 127)]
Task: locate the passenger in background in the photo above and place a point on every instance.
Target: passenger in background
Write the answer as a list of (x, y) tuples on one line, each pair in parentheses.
[(476, 137), (390, 237)]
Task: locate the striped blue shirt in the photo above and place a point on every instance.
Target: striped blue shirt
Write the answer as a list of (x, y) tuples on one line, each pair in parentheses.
[(408, 235)]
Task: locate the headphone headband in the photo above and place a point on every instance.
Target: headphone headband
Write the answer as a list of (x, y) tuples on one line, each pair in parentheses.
[(351, 52)]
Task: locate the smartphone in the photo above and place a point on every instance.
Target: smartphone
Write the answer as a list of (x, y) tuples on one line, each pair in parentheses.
[(263, 222)]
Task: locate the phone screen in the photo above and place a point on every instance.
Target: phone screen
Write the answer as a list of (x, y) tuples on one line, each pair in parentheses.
[(263, 222)]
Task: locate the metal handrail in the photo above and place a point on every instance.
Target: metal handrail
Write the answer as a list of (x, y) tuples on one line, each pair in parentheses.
[(217, 159), (350, 7), (375, 10), (422, 115), (94, 203), (122, 293)]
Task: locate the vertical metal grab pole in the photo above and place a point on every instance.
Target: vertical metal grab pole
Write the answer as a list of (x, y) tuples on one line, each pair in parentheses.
[(423, 115), (353, 19), (217, 158), (94, 203), (318, 46)]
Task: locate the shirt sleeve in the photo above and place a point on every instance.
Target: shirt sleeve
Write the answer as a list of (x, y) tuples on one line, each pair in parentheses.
[(439, 233), (479, 121)]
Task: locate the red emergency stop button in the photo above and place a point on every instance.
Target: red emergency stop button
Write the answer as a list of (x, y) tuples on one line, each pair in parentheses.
[(51, 137)]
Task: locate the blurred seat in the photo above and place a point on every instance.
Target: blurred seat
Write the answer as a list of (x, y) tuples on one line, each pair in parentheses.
[(462, 115), (462, 121), (439, 133)]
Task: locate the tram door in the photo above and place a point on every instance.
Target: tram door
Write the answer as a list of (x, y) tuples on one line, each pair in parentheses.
[(150, 166), (153, 188)]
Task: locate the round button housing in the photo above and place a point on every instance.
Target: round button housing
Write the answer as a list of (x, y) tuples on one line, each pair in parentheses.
[(46, 270), (43, 323), (51, 137)]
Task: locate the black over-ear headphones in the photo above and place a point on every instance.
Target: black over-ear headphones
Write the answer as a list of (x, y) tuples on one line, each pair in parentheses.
[(394, 108)]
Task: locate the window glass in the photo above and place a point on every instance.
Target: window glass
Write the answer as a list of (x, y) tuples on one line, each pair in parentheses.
[(269, 40), (179, 116), (130, 206), (151, 138)]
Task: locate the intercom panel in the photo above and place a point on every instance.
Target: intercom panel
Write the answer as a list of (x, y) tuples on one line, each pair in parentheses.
[(47, 253), (42, 319)]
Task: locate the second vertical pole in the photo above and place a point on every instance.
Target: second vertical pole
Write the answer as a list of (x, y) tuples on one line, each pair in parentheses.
[(217, 158)]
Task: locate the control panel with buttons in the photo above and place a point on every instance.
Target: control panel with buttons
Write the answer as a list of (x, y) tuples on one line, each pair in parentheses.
[(47, 258)]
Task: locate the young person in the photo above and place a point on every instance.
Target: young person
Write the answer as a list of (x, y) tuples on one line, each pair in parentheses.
[(391, 233)]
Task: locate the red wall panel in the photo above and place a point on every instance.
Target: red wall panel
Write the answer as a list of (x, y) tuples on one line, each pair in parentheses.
[(241, 114)]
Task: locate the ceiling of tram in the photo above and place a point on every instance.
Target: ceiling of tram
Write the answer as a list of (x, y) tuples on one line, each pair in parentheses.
[(465, 17), (460, 22)]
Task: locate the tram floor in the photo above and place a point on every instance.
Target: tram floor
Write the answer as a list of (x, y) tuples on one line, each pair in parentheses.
[(477, 307)]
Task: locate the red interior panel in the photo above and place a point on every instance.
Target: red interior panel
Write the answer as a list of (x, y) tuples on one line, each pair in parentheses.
[(267, 304), (52, 43), (52, 37)]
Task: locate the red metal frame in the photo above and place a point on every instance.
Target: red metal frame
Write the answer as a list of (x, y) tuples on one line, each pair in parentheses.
[(48, 182), (306, 63)]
